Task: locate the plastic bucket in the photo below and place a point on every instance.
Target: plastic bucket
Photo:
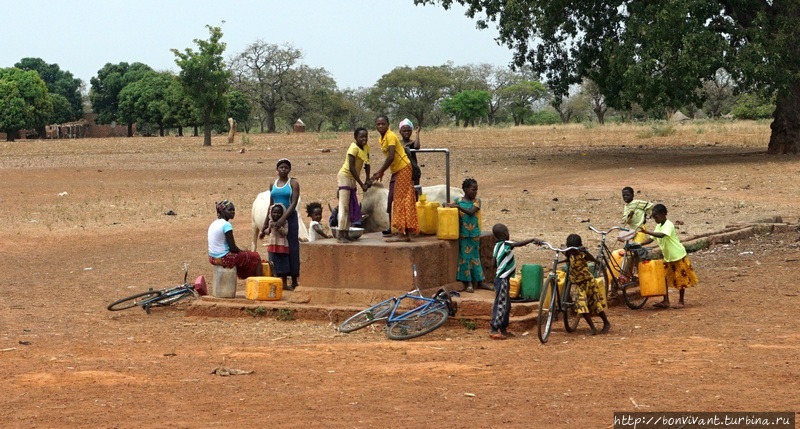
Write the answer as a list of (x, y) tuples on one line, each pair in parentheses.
[(531, 283), (652, 278)]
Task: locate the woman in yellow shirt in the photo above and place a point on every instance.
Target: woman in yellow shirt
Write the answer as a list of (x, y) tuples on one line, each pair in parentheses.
[(402, 197)]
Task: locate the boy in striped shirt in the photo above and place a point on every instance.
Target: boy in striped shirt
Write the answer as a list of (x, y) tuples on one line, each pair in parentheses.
[(504, 262)]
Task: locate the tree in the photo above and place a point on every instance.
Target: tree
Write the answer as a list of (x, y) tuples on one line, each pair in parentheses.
[(205, 78), (62, 110), (147, 100), (719, 94), (596, 99), (266, 72), (468, 105), (415, 92), (655, 53), (24, 101), (520, 97), (106, 86), (58, 82), (240, 108)]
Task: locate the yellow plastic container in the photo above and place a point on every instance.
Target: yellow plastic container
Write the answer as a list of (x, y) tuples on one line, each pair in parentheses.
[(618, 255), (427, 214), (448, 223), (264, 288), (514, 288), (601, 284), (652, 278), (266, 269)]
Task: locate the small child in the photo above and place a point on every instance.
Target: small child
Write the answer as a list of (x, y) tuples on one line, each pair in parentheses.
[(589, 297), (680, 273), (503, 256), (470, 271), (315, 231), (278, 244)]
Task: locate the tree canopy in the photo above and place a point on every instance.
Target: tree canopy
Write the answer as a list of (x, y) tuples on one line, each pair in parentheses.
[(205, 78), (656, 53), (24, 101), (106, 86)]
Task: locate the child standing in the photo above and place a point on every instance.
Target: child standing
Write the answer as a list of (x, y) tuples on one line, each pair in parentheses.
[(278, 244), (589, 297), (470, 271), (679, 271), (503, 256), (315, 231), (635, 213)]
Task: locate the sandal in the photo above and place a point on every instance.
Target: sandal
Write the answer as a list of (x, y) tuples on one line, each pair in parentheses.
[(469, 289), (679, 306), (497, 336), (661, 305)]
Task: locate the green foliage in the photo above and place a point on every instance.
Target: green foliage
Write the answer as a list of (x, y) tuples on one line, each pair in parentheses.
[(147, 100), (256, 312), (468, 105), (285, 314), (58, 82), (544, 117), (62, 110), (106, 86), (655, 53), (239, 106), (407, 91), (24, 101), (468, 324), (205, 78), (520, 97), (752, 106)]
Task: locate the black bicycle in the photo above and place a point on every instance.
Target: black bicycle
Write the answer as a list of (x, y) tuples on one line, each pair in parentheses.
[(557, 298), (161, 297), (619, 269)]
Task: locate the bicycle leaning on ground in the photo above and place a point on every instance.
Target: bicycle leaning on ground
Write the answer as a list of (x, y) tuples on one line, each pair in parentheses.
[(427, 315), (554, 300), (621, 277), (161, 297)]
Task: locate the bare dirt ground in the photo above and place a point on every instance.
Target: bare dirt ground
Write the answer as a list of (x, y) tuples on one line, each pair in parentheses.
[(67, 362)]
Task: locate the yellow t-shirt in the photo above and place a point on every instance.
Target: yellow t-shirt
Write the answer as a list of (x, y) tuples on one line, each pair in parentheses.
[(634, 213), (361, 156), (400, 158), (670, 244)]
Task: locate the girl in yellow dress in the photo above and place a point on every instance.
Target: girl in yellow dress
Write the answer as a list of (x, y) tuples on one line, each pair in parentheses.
[(589, 299)]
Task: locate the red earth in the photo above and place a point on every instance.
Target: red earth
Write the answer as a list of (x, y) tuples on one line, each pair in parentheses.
[(86, 221)]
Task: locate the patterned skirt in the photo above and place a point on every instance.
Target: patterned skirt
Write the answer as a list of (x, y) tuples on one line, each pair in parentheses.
[(588, 297), (245, 263), (680, 274), (469, 260), (404, 204)]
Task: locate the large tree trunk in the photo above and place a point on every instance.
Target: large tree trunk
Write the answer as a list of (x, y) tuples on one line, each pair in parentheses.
[(207, 129), (271, 120), (785, 137), (130, 130)]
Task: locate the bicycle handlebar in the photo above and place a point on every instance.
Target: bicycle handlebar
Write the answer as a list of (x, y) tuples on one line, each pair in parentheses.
[(621, 228), (556, 249)]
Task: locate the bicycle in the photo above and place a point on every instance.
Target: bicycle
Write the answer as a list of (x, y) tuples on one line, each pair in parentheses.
[(621, 277), (554, 300), (428, 314), (162, 297)]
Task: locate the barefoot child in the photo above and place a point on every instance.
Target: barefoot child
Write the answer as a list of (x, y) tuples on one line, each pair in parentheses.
[(635, 213), (315, 231), (680, 273), (470, 271), (503, 256), (278, 244), (589, 297)]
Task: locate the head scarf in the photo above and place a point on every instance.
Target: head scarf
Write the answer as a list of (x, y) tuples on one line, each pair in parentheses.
[(283, 161), (222, 205), (406, 122)]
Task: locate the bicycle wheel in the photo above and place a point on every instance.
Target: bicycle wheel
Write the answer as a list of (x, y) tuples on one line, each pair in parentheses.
[(364, 318), (571, 316), (547, 309), (133, 300), (416, 325), (631, 292)]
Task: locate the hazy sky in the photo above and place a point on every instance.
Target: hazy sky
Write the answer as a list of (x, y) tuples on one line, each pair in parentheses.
[(356, 41)]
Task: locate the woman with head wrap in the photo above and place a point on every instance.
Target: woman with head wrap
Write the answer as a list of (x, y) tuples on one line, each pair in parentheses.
[(222, 249), (406, 126), (286, 191)]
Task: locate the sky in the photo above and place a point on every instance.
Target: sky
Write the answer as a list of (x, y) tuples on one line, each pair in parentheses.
[(356, 41)]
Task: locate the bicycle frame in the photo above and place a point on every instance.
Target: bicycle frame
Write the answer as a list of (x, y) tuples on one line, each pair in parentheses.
[(553, 301), (626, 278)]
